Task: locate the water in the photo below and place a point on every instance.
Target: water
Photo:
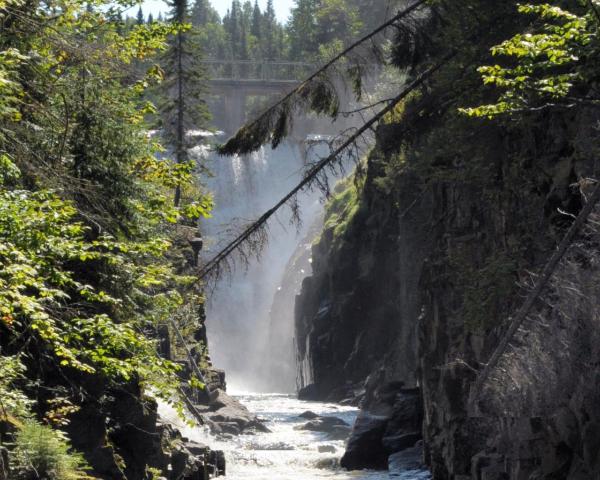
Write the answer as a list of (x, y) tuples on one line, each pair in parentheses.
[(285, 453), (239, 320)]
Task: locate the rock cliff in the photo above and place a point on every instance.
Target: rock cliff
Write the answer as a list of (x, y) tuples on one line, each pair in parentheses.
[(420, 266)]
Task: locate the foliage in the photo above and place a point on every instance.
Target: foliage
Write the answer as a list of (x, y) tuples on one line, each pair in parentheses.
[(341, 208), (13, 402), (87, 228), (549, 63), (41, 452)]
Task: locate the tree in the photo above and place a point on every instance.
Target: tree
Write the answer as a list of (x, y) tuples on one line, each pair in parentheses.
[(203, 13), (551, 65), (256, 20), (336, 20), (139, 19), (270, 32), (85, 225), (303, 29), (150, 19), (183, 107)]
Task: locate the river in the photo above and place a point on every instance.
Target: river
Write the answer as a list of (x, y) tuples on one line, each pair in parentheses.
[(286, 453)]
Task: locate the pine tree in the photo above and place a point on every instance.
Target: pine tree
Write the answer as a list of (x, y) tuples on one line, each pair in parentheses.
[(302, 29), (234, 28), (140, 16), (269, 28), (256, 20), (150, 19), (160, 17), (200, 13), (184, 106)]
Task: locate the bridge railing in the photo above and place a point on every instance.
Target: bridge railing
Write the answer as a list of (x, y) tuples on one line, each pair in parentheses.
[(249, 70)]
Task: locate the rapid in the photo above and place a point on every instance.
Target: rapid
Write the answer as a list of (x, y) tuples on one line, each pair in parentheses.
[(286, 453)]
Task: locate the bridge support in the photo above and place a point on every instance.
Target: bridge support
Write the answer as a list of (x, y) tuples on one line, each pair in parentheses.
[(235, 109)]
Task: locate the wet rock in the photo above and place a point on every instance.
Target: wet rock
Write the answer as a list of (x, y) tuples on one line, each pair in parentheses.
[(308, 415), (327, 463), (231, 428), (406, 460), (339, 432), (365, 449), (311, 392), (197, 449), (4, 471), (401, 442), (323, 424), (227, 415), (326, 449), (217, 463)]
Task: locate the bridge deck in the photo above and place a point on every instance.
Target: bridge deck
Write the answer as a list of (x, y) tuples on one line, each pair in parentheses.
[(248, 73)]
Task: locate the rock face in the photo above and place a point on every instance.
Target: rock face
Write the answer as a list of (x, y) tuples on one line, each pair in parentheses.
[(137, 439), (359, 309), (415, 280)]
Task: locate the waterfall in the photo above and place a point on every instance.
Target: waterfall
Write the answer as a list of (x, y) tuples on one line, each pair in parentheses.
[(239, 320)]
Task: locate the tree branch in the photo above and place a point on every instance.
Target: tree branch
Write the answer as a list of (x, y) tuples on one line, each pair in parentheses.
[(232, 146), (521, 315), (234, 245)]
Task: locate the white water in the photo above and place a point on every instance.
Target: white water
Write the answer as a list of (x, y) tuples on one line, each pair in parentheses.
[(285, 453), (239, 322)]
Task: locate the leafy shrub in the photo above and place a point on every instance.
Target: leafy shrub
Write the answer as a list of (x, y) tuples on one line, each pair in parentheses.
[(43, 453), (13, 403)]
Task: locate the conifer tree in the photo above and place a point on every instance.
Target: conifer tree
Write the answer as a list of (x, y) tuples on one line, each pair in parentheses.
[(140, 16), (302, 29), (235, 28), (202, 13), (150, 19), (269, 29), (256, 20), (184, 106)]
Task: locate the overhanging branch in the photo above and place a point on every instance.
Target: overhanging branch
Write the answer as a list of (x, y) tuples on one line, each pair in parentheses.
[(313, 172)]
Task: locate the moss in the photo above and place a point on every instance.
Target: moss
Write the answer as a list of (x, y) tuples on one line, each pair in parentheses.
[(341, 209)]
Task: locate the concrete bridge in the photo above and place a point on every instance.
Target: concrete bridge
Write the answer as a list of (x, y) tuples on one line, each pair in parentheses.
[(233, 81)]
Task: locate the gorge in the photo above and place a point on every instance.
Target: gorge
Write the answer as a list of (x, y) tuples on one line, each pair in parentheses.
[(390, 271)]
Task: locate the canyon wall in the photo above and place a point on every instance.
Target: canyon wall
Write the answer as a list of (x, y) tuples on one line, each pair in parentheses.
[(421, 264)]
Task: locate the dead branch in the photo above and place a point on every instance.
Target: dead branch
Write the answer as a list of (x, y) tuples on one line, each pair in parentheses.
[(523, 312)]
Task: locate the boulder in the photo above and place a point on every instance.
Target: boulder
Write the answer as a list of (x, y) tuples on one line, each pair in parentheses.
[(217, 463), (308, 415), (225, 414), (339, 432), (330, 463), (365, 449), (409, 459), (323, 424), (311, 393), (326, 449), (397, 443)]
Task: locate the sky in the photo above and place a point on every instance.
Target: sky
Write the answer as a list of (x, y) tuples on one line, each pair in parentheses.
[(282, 7)]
